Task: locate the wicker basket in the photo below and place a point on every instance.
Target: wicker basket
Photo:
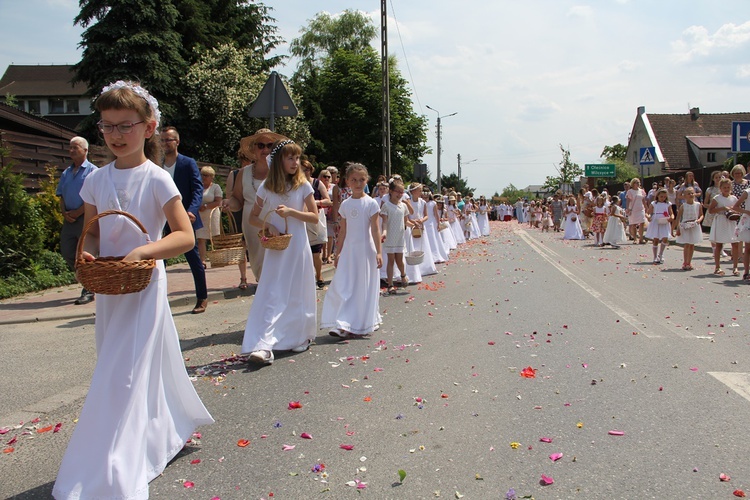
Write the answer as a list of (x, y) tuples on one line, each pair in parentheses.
[(226, 248), (416, 232), (110, 275), (443, 226), (415, 258), (274, 242)]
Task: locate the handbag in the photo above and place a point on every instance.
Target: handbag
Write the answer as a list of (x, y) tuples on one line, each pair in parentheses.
[(317, 233)]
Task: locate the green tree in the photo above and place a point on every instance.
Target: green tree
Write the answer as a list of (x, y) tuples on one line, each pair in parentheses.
[(616, 152), (452, 181), (512, 193), (220, 87), (567, 173)]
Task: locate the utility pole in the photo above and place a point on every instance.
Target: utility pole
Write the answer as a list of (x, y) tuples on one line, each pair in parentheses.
[(439, 150), (459, 167), (386, 118)]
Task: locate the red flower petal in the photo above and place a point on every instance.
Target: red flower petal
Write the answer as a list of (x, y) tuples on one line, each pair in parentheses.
[(9, 450), (305, 435), (739, 493), (196, 461), (12, 441), (57, 428), (243, 443), (723, 477), (45, 429), (188, 484), (294, 405), (528, 372), (348, 447)]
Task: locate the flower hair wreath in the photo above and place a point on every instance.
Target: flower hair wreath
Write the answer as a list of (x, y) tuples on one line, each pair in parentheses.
[(137, 89), (278, 148)]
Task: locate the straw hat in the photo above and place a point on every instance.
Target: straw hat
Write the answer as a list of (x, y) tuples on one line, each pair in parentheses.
[(247, 144), (451, 198)]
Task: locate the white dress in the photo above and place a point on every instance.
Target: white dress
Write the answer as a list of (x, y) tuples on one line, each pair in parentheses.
[(214, 216), (573, 229), (615, 233), (284, 312), (453, 221), (394, 231), (439, 248), (447, 234), (421, 244), (660, 226), (472, 224), (351, 302), (693, 235), (743, 226), (723, 229), (483, 221), (141, 407)]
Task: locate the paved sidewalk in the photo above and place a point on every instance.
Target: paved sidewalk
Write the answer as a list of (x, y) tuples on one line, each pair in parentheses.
[(58, 303)]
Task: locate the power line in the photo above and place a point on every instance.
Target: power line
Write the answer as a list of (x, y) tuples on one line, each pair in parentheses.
[(403, 49)]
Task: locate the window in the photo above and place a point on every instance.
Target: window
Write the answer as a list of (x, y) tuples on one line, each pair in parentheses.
[(635, 157), (56, 106), (71, 106), (34, 107), (711, 158)]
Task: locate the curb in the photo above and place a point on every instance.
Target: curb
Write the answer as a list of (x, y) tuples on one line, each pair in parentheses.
[(184, 299)]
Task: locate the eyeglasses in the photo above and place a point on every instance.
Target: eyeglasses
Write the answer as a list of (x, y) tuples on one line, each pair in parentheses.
[(325, 176), (261, 145), (123, 128)]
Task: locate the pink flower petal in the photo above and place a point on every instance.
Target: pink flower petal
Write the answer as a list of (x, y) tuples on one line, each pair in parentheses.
[(546, 480), (347, 447), (555, 457), (188, 484), (545, 439), (287, 447), (305, 435), (616, 433)]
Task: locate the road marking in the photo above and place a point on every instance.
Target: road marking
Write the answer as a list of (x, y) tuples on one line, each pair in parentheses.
[(738, 382), (545, 253)]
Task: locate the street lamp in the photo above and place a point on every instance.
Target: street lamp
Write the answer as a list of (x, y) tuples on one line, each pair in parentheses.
[(439, 183)]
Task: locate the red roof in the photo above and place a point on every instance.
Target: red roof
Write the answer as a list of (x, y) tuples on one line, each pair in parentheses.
[(711, 141)]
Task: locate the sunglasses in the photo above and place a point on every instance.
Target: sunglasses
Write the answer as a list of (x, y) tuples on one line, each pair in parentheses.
[(261, 145)]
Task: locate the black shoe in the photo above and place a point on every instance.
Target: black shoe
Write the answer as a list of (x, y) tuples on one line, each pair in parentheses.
[(85, 298), (320, 284)]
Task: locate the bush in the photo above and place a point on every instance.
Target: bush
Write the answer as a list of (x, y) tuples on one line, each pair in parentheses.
[(50, 270), (49, 205)]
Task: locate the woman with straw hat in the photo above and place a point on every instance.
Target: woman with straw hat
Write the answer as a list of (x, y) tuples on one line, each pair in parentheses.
[(257, 146)]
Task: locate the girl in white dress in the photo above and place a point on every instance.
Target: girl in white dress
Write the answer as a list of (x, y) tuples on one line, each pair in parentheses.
[(573, 230), (660, 228), (615, 233), (722, 228), (141, 407), (636, 210), (351, 302), (395, 220), (421, 244), (689, 217), (446, 234), (283, 315), (743, 231), (483, 219), (454, 219), (439, 248)]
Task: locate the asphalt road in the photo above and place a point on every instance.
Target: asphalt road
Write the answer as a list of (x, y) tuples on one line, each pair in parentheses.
[(653, 353)]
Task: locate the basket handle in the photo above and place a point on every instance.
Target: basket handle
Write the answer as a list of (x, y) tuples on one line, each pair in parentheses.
[(81, 240), (265, 222), (221, 226)]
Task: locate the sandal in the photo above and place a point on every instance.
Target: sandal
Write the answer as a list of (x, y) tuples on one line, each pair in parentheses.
[(392, 290), (735, 272), (243, 284), (404, 282), (746, 276), (719, 272)]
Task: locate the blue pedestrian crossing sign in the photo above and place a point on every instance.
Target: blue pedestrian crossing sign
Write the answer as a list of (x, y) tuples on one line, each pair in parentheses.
[(741, 137), (647, 156)]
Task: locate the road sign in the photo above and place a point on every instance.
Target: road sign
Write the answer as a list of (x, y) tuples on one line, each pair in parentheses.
[(648, 156), (274, 100), (741, 137), (599, 170)]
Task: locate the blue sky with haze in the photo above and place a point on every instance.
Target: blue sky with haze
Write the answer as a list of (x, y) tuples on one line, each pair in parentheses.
[(523, 76)]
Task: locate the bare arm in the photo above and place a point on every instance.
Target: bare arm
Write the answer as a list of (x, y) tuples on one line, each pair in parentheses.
[(375, 232), (310, 215), (341, 239)]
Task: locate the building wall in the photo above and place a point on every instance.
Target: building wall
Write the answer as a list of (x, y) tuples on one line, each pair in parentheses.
[(640, 138)]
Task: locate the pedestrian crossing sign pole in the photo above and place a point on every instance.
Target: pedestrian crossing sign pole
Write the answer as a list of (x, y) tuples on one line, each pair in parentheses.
[(647, 156)]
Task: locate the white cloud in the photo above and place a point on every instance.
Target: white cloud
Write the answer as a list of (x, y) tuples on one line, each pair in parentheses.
[(536, 108), (698, 43), (583, 11)]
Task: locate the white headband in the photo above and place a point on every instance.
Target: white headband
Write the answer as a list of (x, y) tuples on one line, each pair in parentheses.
[(137, 89)]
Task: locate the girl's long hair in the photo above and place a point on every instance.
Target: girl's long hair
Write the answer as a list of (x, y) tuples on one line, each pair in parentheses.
[(278, 181), (125, 98)]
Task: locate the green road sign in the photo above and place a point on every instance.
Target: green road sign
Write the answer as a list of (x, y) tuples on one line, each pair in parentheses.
[(599, 170)]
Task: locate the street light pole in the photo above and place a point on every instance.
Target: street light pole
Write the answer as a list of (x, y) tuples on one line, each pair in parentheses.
[(439, 118)]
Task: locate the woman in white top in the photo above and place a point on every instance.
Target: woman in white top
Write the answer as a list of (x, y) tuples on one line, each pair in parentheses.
[(636, 211), (210, 218)]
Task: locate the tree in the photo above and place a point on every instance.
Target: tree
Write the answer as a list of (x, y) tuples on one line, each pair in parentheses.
[(130, 40), (220, 87), (343, 105), (452, 181), (567, 173), (512, 193), (616, 152)]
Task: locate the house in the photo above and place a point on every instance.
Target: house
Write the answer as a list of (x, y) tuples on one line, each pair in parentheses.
[(680, 142), (47, 91)]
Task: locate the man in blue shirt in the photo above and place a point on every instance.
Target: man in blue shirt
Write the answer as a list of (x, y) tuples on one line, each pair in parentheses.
[(71, 205), (624, 195)]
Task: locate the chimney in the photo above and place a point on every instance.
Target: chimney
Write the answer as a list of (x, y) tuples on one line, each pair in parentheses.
[(695, 113), (641, 110)]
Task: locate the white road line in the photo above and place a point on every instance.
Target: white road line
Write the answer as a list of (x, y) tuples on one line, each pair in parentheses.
[(632, 320), (738, 382)]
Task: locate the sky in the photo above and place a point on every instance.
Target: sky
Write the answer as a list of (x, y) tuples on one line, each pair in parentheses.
[(523, 77)]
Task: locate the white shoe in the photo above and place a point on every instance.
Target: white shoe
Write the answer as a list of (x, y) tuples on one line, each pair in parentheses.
[(303, 347), (263, 357)]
